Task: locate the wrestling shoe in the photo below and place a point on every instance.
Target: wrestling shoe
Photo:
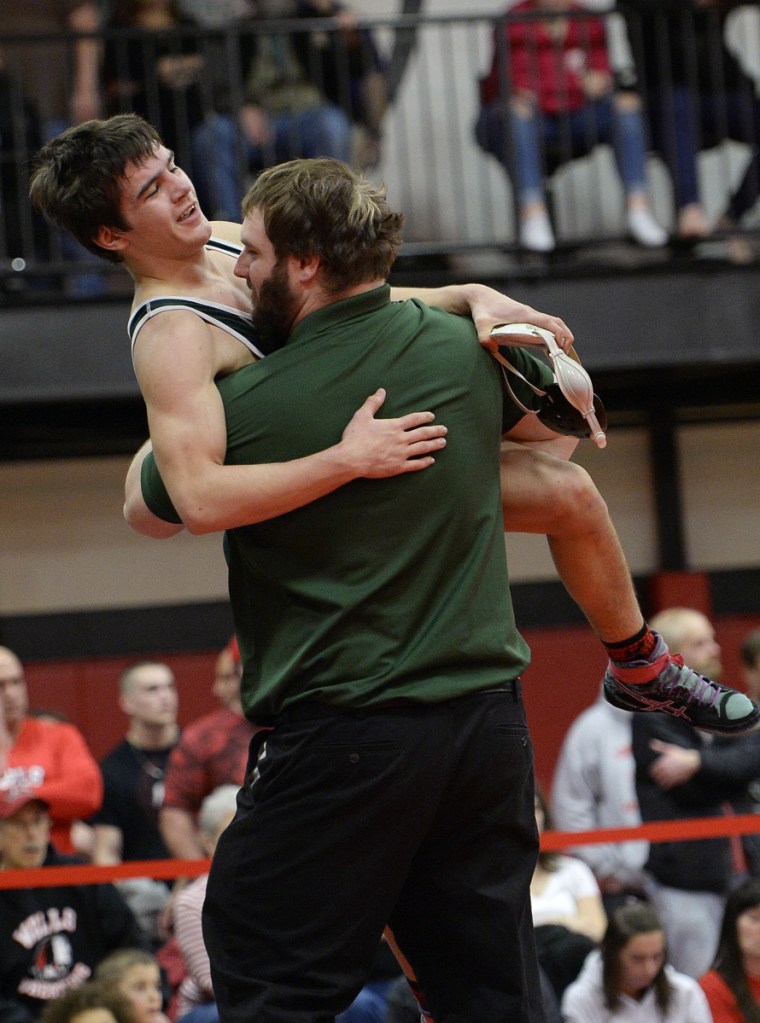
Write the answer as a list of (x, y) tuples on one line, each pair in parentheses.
[(680, 692)]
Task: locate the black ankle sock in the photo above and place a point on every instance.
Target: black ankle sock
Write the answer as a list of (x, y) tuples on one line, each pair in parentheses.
[(638, 648)]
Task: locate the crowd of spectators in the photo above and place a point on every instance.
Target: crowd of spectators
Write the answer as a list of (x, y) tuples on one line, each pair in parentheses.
[(231, 97)]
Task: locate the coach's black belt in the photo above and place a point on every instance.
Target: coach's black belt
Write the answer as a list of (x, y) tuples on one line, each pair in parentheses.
[(305, 709)]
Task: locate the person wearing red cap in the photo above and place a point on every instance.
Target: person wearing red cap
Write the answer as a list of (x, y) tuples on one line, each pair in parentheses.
[(51, 938), (47, 758)]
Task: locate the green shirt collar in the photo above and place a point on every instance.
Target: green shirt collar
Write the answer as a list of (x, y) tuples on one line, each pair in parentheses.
[(329, 316)]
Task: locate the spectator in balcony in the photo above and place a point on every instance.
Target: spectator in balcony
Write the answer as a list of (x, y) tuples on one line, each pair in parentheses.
[(51, 938), (62, 94), (346, 64), (284, 115), (551, 89), (20, 136), (697, 95), (156, 74), (52, 86), (49, 759)]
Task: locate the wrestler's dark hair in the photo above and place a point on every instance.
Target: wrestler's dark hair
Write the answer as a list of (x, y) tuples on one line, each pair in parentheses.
[(323, 208), (625, 923), (729, 960), (76, 177)]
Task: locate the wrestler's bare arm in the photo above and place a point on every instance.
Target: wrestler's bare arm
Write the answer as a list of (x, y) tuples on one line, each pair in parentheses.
[(487, 307), (174, 363)]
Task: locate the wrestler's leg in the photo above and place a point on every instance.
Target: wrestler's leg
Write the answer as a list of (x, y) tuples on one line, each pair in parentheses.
[(545, 494)]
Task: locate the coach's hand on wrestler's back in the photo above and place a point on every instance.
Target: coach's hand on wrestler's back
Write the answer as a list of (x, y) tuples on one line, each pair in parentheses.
[(378, 448), (489, 308)]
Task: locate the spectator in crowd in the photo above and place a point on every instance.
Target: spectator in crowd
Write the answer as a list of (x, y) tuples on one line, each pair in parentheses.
[(47, 758), (88, 1004), (346, 65), (750, 657), (196, 995), (134, 974), (52, 86), (20, 136), (283, 115), (162, 74), (629, 979), (126, 826), (568, 913), (682, 772), (697, 94), (732, 985), (212, 751), (51, 938), (594, 787), (556, 94), (61, 94)]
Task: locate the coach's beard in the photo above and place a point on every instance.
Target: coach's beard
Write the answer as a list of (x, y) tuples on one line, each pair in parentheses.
[(273, 310)]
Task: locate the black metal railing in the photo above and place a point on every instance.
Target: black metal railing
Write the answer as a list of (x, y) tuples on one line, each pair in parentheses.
[(416, 131)]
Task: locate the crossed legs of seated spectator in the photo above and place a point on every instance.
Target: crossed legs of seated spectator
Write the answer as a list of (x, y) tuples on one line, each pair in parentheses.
[(681, 120)]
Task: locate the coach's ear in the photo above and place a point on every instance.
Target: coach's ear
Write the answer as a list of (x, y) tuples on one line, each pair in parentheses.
[(110, 238)]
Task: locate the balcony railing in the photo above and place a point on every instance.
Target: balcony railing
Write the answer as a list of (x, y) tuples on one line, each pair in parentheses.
[(457, 198)]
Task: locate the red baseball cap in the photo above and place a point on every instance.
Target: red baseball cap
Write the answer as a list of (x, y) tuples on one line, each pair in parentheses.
[(11, 806)]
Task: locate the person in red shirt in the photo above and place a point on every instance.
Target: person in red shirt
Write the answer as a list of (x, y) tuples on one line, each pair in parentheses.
[(732, 986), (49, 758), (550, 92)]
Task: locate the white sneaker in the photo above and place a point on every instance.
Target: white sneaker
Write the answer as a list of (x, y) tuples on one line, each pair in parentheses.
[(536, 233), (645, 229)]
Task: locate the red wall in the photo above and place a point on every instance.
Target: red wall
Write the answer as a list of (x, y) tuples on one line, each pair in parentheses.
[(563, 679)]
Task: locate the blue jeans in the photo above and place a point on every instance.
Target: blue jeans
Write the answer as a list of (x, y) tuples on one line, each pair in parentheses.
[(220, 155), (369, 1006), (562, 137), (684, 121)]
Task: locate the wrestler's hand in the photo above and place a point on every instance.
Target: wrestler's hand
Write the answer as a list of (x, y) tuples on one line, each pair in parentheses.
[(489, 307), (388, 447)]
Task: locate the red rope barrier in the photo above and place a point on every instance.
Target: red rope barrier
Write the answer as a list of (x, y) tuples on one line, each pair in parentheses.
[(554, 841)]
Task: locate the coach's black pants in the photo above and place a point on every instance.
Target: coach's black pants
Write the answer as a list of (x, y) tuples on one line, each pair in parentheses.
[(421, 818)]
